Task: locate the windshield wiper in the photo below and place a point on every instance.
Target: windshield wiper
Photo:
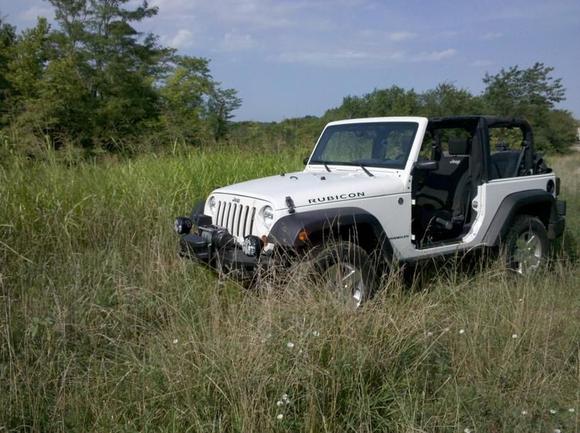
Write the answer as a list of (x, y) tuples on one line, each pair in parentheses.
[(323, 163), (366, 170)]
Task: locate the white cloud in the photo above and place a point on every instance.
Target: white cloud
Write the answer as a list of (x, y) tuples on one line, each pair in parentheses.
[(334, 58), (32, 13), (233, 41), (348, 58), (434, 56), (401, 36), (491, 36), (182, 39)]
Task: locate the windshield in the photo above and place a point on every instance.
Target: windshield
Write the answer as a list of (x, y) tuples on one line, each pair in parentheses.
[(381, 144)]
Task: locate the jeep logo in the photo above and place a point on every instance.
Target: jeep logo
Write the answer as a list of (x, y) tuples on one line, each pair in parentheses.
[(236, 200), (336, 197)]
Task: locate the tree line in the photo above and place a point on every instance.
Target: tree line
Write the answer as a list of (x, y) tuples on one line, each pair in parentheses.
[(92, 83), (532, 93)]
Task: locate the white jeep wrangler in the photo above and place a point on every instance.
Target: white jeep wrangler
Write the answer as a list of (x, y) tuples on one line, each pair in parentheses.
[(399, 188)]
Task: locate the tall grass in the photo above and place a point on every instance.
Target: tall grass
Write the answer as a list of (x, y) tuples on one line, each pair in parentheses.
[(104, 329)]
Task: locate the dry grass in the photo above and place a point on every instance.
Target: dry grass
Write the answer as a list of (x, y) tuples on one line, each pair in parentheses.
[(104, 329)]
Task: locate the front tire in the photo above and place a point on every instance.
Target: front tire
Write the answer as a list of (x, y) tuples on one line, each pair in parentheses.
[(345, 269), (526, 245)]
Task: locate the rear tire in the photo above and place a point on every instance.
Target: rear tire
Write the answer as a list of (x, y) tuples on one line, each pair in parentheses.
[(346, 269), (526, 245)]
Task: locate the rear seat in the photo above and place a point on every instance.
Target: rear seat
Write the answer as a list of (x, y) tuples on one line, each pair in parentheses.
[(504, 164)]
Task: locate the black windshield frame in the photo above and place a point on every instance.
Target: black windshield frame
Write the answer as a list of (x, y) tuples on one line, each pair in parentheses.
[(381, 132)]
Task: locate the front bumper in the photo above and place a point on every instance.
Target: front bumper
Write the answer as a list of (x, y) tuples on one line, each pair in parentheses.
[(216, 247), (225, 258)]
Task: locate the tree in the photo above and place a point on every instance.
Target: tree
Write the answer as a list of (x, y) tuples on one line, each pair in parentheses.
[(117, 64), (380, 102), (531, 93), (221, 104), (448, 100), (519, 91), (183, 96), (7, 41)]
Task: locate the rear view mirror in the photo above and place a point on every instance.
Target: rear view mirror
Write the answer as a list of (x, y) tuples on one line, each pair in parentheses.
[(426, 165)]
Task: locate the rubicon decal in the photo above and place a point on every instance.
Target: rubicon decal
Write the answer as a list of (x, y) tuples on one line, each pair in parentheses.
[(336, 197)]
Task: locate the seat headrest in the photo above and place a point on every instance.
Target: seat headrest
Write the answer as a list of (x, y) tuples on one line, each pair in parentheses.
[(459, 146)]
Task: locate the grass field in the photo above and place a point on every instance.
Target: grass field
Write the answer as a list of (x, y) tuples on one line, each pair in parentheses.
[(103, 328)]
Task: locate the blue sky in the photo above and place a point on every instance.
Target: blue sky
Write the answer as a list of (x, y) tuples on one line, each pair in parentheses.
[(290, 58)]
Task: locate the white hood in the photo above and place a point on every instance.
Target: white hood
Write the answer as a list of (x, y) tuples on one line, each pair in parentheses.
[(308, 188)]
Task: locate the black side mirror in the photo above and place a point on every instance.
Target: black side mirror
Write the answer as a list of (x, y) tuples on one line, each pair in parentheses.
[(426, 165), (305, 160)]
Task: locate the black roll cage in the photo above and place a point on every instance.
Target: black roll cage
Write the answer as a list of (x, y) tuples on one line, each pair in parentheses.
[(480, 153)]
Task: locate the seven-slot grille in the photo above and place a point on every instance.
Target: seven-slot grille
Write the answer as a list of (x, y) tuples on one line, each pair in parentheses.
[(236, 217)]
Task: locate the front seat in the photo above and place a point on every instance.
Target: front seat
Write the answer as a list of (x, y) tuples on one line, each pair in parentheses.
[(459, 201), (446, 193)]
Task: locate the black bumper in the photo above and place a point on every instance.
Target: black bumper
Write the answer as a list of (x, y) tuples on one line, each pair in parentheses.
[(225, 258)]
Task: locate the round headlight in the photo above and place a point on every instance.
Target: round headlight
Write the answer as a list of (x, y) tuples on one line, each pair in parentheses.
[(212, 202), (182, 225), (268, 215)]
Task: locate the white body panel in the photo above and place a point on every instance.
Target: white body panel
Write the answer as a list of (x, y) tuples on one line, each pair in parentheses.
[(386, 195)]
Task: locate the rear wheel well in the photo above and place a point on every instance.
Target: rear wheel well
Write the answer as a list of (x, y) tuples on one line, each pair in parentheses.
[(541, 210)]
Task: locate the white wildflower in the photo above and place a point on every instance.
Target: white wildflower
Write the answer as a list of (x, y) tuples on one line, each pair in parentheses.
[(514, 336), (461, 331), (290, 345), (316, 333), (524, 412), (571, 410), (280, 416), (279, 403), (285, 398), (521, 300), (553, 411), (175, 341), (446, 330), (429, 334), (557, 430), (466, 430)]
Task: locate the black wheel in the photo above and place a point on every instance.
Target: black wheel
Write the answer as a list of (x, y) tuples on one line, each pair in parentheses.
[(345, 269), (526, 245)]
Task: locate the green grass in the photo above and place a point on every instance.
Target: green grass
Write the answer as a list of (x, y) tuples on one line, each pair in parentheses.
[(104, 328)]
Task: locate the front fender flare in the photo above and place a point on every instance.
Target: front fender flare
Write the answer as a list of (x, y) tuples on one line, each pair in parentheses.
[(286, 230)]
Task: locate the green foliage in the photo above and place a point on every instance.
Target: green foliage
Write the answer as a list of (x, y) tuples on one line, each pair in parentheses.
[(96, 83), (532, 93), (220, 106), (521, 91), (447, 100), (394, 101), (7, 39)]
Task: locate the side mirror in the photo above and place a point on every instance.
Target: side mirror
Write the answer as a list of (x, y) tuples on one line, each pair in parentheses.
[(426, 165), (305, 160)]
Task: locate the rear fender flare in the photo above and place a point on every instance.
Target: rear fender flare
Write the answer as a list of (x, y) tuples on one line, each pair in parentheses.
[(535, 202)]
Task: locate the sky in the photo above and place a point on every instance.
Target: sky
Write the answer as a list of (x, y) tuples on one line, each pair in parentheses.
[(291, 58)]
